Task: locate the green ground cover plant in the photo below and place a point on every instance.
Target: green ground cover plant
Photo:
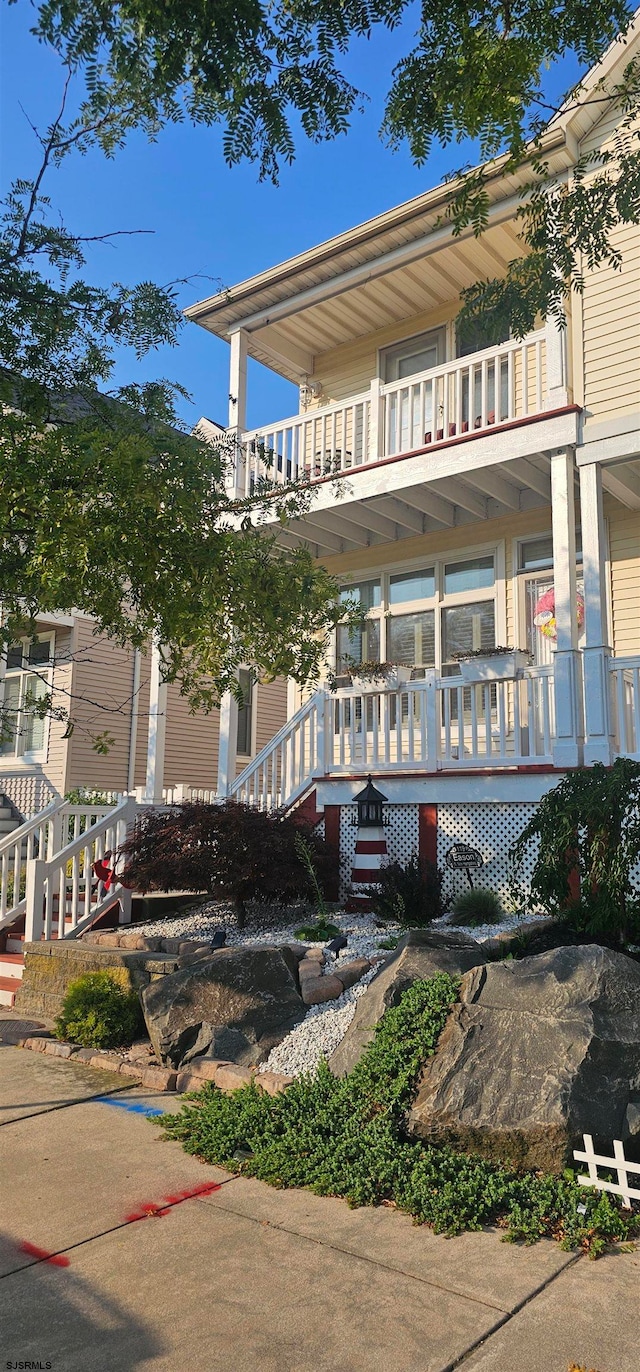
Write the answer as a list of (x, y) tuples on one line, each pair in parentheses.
[(346, 1137), (317, 933), (97, 1012)]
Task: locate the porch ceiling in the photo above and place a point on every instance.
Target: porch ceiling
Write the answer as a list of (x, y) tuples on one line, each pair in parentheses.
[(426, 506)]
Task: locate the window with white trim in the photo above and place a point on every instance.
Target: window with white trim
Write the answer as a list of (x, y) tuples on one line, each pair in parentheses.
[(422, 616), (28, 678)]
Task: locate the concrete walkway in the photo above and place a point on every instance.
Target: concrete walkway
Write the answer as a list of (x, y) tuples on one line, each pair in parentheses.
[(248, 1278)]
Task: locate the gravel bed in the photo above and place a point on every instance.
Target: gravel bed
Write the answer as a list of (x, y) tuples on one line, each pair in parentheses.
[(319, 1033)]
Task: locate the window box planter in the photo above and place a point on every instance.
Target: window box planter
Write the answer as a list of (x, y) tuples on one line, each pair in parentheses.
[(386, 680), (494, 666)]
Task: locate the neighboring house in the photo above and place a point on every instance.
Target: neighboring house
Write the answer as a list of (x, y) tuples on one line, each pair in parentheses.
[(471, 495)]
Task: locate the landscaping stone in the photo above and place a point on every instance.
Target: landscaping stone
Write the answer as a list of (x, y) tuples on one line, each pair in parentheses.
[(421, 953), (229, 1077), (351, 972), (536, 1053), (159, 1079), (251, 990), (59, 1050), (273, 1082), (321, 988)]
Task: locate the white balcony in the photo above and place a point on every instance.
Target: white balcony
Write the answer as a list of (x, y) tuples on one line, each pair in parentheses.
[(465, 398)]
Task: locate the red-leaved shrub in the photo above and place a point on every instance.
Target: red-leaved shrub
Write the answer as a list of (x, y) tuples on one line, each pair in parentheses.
[(228, 850)]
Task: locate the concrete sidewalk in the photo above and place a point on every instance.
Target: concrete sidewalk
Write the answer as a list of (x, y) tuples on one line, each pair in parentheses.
[(252, 1278)]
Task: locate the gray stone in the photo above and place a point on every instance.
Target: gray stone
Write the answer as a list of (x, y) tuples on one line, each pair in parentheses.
[(252, 990), (421, 953), (224, 1044), (536, 1053)]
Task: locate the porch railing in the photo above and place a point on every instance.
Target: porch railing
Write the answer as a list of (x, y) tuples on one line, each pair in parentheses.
[(467, 395), (282, 770), (625, 680)]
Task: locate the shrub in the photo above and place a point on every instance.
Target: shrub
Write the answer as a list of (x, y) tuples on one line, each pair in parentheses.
[(409, 893), (97, 1012), (345, 1137), (477, 906), (588, 834), (229, 850), (317, 933)]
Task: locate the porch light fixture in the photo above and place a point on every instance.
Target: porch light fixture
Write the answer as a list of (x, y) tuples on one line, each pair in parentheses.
[(370, 802)]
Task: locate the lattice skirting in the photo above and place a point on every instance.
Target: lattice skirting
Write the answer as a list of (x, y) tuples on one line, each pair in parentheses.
[(491, 827)]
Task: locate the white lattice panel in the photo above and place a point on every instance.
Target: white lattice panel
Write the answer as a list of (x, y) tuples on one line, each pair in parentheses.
[(401, 833), (490, 827)]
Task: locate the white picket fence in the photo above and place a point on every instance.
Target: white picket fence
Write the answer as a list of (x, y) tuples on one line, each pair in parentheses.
[(618, 1164)]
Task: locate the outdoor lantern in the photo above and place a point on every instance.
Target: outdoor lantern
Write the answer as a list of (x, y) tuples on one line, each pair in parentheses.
[(370, 803)]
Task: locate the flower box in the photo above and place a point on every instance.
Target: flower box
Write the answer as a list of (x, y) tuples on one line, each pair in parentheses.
[(494, 666), (388, 680)]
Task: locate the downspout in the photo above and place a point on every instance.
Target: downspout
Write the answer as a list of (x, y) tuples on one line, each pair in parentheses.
[(135, 710)]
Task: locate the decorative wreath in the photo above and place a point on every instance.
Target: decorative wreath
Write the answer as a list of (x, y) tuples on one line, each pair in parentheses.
[(544, 615)]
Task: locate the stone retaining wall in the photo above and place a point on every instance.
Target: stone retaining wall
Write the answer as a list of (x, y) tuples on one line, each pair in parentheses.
[(50, 967)]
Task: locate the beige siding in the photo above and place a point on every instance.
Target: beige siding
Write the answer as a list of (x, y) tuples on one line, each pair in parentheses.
[(58, 746), (271, 710), (191, 744), (624, 550), (611, 314), (102, 690)]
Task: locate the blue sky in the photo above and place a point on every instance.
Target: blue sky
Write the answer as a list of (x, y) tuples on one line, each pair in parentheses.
[(207, 219)]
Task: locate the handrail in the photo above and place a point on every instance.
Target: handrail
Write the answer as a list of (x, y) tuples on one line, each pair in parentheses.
[(317, 412), (47, 879), (283, 733), (284, 767), (462, 363)]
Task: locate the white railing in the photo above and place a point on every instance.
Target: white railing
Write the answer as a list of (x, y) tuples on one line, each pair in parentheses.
[(320, 443), (618, 1164), (469, 395), (29, 840), (625, 678), (442, 723), (282, 770), (62, 894)]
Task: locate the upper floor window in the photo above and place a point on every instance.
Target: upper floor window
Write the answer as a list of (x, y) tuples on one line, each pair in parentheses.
[(29, 670), (414, 355)]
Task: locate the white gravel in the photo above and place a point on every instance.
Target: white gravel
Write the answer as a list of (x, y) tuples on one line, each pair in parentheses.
[(325, 1025)]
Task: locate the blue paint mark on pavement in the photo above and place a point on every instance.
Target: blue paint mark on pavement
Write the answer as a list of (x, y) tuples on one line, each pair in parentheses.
[(135, 1107)]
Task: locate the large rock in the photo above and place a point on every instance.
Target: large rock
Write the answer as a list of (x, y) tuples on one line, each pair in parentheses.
[(535, 1054), (421, 953), (247, 997)]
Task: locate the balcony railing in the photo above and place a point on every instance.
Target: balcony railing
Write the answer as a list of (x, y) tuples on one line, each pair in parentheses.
[(470, 395)]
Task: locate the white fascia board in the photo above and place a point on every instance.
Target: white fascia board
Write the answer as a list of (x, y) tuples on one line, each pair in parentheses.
[(613, 448), (442, 788)]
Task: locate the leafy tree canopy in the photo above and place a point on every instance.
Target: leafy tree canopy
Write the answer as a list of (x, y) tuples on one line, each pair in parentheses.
[(473, 70)]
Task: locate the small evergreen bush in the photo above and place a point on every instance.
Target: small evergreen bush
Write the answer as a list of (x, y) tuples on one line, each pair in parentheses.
[(477, 906), (97, 1012), (346, 1137), (317, 933), (409, 893)]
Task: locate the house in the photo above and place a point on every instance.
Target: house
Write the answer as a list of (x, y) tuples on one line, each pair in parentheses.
[(470, 493)]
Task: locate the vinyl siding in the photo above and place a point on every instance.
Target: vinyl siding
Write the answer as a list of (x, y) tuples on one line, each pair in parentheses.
[(611, 313), (624, 551), (191, 743), (349, 369), (102, 688), (271, 710)]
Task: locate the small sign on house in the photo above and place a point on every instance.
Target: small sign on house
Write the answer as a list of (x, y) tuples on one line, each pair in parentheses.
[(462, 857)]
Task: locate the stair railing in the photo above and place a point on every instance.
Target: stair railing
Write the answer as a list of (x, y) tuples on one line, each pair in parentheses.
[(283, 769), (27, 841), (61, 889)]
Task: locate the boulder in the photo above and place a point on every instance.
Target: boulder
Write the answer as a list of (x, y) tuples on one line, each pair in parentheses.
[(536, 1053), (252, 991), (421, 953)]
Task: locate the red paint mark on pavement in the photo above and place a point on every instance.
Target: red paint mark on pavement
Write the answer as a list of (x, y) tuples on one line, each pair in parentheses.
[(57, 1259), (156, 1209)]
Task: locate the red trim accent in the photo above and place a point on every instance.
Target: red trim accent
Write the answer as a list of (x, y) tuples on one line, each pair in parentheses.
[(365, 874), (371, 845), (332, 840), (428, 832)]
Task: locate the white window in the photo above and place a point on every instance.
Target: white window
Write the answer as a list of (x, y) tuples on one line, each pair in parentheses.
[(422, 616), (29, 670), (535, 571)]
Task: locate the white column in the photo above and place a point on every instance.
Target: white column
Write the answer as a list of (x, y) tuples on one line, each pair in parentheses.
[(598, 742), (238, 381), (556, 356), (157, 730), (376, 420), (566, 667), (228, 741)]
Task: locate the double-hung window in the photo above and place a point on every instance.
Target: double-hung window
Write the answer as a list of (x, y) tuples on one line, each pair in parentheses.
[(28, 679)]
